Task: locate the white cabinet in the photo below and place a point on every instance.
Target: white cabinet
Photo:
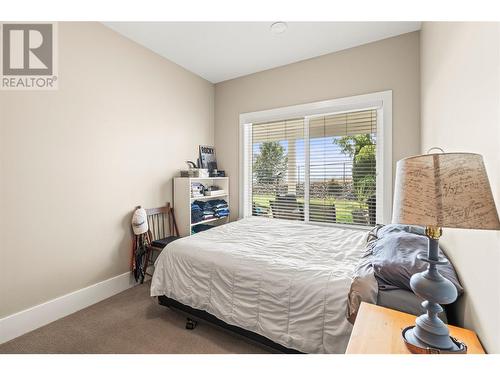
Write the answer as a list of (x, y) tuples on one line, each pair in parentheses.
[(183, 200)]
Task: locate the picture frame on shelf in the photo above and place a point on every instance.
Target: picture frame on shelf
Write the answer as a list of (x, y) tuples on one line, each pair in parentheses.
[(207, 159)]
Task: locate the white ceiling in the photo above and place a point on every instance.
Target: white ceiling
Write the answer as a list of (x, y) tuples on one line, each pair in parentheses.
[(218, 51)]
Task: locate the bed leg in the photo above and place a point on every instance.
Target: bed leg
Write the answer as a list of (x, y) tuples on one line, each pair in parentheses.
[(191, 324)]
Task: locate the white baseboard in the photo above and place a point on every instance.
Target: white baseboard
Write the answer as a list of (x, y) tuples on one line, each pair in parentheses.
[(35, 317)]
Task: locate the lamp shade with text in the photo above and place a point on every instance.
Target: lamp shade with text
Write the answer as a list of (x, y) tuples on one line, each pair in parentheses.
[(444, 190)]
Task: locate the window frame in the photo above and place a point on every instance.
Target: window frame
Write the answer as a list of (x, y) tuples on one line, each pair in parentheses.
[(381, 101)]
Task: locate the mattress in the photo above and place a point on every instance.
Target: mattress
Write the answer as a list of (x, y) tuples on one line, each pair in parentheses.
[(285, 280)]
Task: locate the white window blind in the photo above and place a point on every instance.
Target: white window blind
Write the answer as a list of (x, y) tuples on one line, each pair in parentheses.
[(319, 169), (342, 168), (277, 187)]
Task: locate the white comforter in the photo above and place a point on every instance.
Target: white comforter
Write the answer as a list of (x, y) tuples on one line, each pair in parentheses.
[(287, 281)]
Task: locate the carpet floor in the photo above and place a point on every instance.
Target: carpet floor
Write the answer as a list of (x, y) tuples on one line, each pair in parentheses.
[(127, 323)]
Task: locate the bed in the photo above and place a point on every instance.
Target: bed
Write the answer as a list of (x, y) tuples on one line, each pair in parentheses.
[(282, 280)]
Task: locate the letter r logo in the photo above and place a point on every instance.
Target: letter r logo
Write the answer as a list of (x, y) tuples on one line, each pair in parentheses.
[(27, 49)]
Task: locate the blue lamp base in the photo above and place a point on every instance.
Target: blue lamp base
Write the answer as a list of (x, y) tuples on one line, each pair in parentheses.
[(430, 332)]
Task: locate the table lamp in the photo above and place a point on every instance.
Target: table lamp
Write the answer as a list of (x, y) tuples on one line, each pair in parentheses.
[(440, 190)]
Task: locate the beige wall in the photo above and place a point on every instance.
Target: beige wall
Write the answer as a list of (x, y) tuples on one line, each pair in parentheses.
[(74, 162), (460, 66), (390, 64)]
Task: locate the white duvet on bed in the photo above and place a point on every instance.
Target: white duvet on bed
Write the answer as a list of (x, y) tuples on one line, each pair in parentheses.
[(285, 280)]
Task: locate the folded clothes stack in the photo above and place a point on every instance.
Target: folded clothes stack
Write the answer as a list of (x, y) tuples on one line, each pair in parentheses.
[(208, 210), (200, 228), (208, 214), (201, 211), (220, 207), (196, 213)]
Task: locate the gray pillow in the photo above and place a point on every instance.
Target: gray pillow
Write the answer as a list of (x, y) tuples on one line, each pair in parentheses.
[(385, 230), (395, 257)]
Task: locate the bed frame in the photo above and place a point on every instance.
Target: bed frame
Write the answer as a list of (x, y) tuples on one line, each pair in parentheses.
[(194, 314)]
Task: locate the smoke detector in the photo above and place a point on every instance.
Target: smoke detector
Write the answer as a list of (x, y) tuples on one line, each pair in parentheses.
[(279, 27)]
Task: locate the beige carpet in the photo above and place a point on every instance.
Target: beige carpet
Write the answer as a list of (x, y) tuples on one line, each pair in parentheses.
[(130, 322)]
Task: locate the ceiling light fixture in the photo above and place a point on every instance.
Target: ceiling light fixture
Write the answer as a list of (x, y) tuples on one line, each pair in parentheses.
[(279, 27)]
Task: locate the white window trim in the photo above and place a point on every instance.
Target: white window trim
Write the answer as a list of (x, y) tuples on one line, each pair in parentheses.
[(381, 101)]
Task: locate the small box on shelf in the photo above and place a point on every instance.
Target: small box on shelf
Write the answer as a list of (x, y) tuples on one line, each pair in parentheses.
[(215, 193)]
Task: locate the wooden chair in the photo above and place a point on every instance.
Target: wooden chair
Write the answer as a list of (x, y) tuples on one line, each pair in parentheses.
[(162, 230)]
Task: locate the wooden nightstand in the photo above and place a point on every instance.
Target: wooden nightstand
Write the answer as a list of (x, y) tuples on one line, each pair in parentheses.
[(377, 330)]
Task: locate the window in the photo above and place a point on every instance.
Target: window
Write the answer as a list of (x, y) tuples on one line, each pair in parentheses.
[(277, 169), (342, 168), (325, 166)]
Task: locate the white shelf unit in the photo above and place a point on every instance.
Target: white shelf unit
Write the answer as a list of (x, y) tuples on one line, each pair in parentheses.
[(183, 200)]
